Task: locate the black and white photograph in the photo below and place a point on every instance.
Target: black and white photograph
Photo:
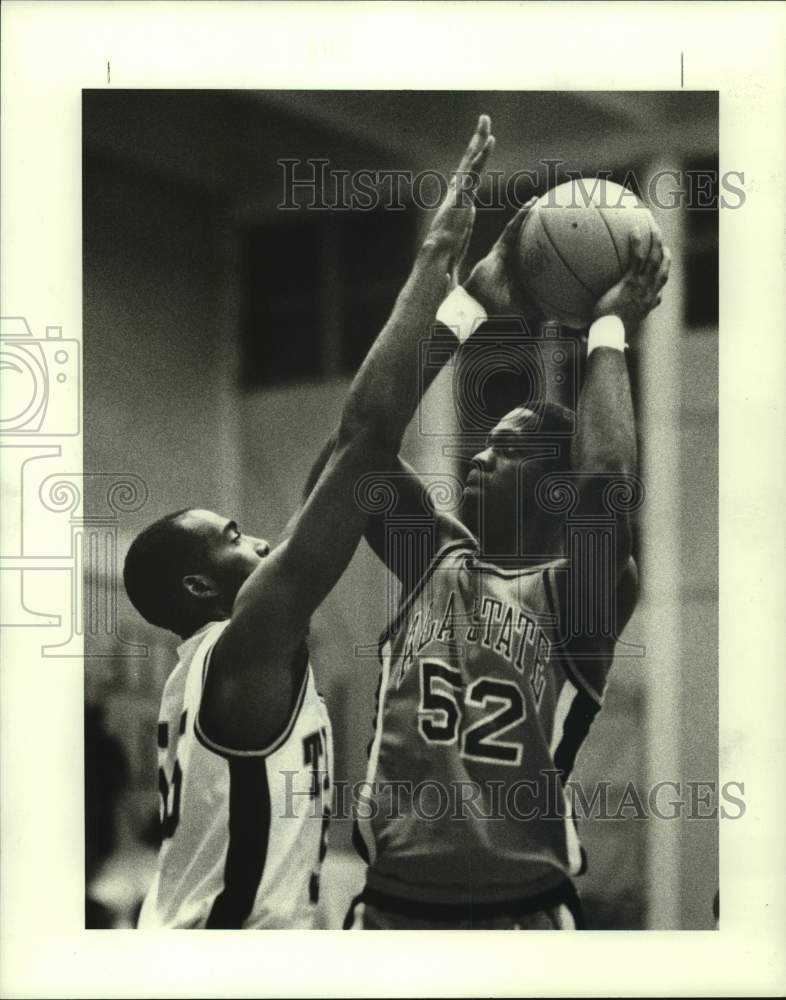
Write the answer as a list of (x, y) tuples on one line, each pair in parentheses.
[(453, 608), (385, 503)]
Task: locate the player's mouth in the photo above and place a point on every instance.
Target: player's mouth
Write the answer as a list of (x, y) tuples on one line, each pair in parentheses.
[(473, 481)]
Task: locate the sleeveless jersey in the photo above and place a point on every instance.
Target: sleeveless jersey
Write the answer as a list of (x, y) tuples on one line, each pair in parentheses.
[(244, 834), (480, 714)]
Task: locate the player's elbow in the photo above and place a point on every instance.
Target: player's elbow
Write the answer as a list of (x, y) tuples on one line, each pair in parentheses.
[(369, 421)]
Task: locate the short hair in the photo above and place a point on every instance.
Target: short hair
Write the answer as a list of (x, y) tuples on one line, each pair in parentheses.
[(557, 419), (549, 418), (156, 562)]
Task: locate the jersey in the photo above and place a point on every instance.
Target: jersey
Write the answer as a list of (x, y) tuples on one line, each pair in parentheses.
[(480, 714), (244, 834)]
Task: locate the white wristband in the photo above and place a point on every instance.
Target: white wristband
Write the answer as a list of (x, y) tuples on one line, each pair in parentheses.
[(608, 331), (461, 313)]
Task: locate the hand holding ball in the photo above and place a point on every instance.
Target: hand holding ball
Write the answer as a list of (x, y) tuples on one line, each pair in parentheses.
[(574, 246)]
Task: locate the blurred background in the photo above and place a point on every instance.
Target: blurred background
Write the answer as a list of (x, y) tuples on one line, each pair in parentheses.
[(220, 334)]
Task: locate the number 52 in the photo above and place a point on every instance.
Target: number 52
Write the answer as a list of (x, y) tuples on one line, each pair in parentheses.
[(443, 704)]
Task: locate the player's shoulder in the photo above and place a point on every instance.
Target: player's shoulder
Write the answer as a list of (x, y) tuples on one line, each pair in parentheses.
[(196, 651), (442, 570), (190, 653), (450, 529), (626, 586)]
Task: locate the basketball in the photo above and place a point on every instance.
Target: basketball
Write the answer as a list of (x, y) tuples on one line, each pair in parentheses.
[(575, 244)]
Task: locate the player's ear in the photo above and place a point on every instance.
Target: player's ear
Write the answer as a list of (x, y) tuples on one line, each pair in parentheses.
[(200, 585)]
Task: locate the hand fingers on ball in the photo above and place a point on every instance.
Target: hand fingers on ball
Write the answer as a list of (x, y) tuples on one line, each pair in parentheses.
[(663, 271), (655, 255), (637, 255)]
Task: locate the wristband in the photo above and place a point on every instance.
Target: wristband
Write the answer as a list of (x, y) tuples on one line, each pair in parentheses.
[(608, 331), (461, 313)]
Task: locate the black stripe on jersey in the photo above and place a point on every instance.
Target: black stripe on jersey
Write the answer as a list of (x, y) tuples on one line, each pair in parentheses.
[(453, 546), (359, 843), (577, 678), (577, 723), (249, 833)]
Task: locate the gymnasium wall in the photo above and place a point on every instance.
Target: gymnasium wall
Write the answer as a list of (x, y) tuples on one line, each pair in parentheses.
[(151, 408)]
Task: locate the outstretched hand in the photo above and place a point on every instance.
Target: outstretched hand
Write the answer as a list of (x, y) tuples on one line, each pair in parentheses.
[(451, 227), (493, 281), (638, 291)]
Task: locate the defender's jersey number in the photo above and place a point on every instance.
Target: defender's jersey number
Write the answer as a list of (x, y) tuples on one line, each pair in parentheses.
[(169, 788), (443, 704)]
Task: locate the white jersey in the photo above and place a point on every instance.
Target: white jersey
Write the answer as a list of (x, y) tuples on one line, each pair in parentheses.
[(244, 834)]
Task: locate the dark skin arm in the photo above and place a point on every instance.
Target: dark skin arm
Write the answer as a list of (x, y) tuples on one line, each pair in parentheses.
[(605, 442), (411, 501), (255, 672), (492, 283), (605, 448)]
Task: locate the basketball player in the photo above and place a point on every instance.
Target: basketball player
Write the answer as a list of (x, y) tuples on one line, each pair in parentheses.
[(244, 738), (495, 664)]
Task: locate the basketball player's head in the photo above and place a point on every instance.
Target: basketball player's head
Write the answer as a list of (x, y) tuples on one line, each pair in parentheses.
[(502, 502), (186, 569)]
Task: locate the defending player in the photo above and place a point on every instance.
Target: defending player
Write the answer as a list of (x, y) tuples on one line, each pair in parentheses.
[(496, 662), (243, 736)]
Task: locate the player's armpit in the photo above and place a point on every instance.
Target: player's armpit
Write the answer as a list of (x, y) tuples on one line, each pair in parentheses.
[(596, 499), (254, 673), (246, 710), (592, 628), (588, 634)]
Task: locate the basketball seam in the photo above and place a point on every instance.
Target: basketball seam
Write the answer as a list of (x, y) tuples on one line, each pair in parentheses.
[(557, 309), (567, 265), (611, 237)]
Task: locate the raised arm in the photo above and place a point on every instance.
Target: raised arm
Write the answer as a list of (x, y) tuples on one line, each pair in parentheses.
[(605, 441), (254, 676), (492, 286)]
